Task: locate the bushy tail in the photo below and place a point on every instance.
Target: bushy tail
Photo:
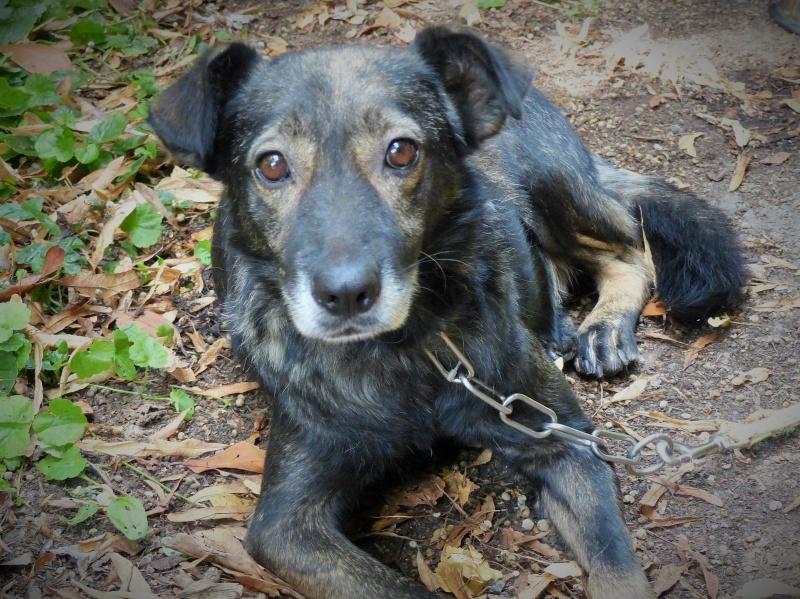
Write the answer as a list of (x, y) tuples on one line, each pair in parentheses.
[(698, 258)]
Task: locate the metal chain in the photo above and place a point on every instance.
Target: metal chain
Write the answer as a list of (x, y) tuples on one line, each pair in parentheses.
[(668, 452)]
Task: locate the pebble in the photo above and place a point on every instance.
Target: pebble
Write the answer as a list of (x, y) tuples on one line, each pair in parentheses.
[(640, 534), (522, 499), (663, 404), (686, 415), (412, 544), (775, 505), (543, 525), (525, 512), (239, 401), (506, 496), (527, 524), (628, 499)]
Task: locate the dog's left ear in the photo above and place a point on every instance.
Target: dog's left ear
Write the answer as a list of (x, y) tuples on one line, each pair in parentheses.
[(485, 85)]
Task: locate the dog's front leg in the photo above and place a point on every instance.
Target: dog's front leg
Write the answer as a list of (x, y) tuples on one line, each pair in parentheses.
[(579, 494), (309, 487)]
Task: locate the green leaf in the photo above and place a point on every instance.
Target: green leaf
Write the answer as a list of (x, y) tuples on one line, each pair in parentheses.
[(182, 401), (16, 415), (165, 334), (14, 316), (143, 225), (85, 31), (62, 423), (12, 100), (16, 23), (203, 252), (491, 3), (5, 238), (98, 358), (145, 351), (128, 515), (70, 465), (110, 129), (33, 255), (87, 153), (58, 143), (8, 371), (122, 358), (86, 511), (42, 91)]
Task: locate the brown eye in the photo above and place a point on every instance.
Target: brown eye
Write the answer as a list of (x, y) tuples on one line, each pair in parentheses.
[(273, 167), (402, 153)]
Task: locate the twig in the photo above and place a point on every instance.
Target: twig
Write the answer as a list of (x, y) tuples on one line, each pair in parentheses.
[(144, 474)]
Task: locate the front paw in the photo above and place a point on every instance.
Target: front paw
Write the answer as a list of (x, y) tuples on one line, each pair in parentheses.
[(605, 348)]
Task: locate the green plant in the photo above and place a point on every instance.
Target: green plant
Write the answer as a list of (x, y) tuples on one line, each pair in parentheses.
[(14, 345)]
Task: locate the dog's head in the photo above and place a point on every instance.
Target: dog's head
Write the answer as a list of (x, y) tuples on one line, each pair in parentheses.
[(340, 163)]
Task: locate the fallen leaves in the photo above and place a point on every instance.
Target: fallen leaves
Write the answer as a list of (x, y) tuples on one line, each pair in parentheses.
[(686, 143), (241, 456), (756, 375), (742, 162)]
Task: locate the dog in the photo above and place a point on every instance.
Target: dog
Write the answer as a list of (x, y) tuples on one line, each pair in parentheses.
[(377, 198)]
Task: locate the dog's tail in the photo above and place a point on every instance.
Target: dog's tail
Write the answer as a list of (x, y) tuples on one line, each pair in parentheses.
[(697, 256)]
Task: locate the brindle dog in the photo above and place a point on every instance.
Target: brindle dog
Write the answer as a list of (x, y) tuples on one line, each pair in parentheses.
[(377, 197)]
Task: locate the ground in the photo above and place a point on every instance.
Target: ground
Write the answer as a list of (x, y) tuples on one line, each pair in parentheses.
[(733, 519)]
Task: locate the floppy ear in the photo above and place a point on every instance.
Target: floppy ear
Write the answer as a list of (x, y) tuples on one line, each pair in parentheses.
[(186, 116), (483, 83)]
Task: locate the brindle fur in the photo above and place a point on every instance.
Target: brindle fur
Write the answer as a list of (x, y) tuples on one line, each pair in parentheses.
[(479, 239)]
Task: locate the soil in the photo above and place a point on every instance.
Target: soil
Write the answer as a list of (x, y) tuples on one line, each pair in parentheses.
[(753, 530)]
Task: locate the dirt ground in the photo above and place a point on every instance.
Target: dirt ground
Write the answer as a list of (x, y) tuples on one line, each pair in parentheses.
[(749, 529)]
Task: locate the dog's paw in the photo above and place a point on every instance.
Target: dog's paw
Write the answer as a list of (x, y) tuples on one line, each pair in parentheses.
[(605, 349)]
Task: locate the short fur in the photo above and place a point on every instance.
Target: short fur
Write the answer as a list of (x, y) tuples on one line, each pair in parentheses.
[(478, 238)]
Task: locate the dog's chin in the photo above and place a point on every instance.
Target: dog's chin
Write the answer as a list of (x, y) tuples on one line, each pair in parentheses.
[(347, 331)]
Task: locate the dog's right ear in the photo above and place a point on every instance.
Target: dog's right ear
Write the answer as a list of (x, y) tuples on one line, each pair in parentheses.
[(186, 116)]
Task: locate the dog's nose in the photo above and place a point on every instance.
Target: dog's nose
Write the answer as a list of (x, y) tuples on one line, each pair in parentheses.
[(347, 290)]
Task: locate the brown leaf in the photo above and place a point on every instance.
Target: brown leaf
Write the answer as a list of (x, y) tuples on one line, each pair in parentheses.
[(781, 305), (756, 375), (742, 162), (225, 390), (775, 159), (426, 492), (686, 143), (88, 284), (217, 512), (694, 350), (792, 506), (38, 58), (53, 259), (484, 458), (706, 496), (459, 486), (658, 522), (668, 576), (242, 456), (106, 237), (654, 308), (715, 175), (426, 575), (793, 104), (211, 354)]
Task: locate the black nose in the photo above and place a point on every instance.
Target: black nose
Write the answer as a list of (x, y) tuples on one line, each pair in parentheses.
[(347, 290)]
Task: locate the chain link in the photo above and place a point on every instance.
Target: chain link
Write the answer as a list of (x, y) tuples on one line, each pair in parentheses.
[(668, 452)]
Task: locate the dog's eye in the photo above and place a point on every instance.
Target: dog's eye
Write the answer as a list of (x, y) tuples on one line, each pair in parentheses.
[(273, 167), (402, 153)]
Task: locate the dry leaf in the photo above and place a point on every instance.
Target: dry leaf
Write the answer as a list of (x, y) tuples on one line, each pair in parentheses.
[(706, 496), (211, 354), (241, 455), (668, 575), (472, 571), (782, 305), (426, 575), (756, 375), (654, 308), (763, 588), (459, 486), (53, 259), (225, 390), (742, 161), (38, 58), (470, 13), (686, 143), (106, 237), (793, 104), (89, 284), (775, 159), (222, 512), (632, 391), (484, 458)]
